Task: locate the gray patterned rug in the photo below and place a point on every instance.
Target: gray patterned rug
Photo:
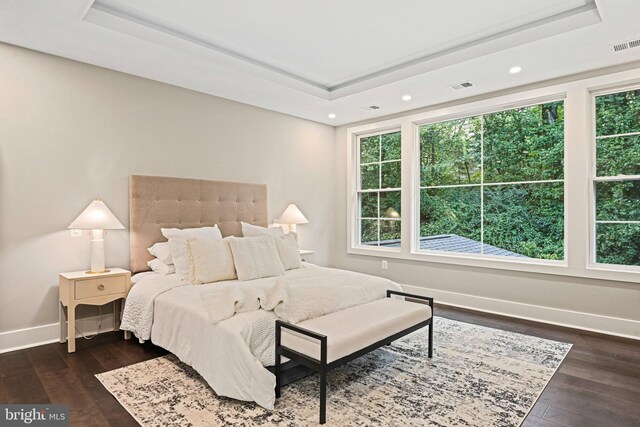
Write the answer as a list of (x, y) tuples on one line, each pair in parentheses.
[(478, 377)]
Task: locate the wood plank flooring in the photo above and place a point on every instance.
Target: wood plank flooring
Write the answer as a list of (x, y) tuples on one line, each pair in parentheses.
[(598, 384)]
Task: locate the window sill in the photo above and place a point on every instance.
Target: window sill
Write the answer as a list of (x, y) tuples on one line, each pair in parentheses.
[(614, 268), (367, 249), (556, 268)]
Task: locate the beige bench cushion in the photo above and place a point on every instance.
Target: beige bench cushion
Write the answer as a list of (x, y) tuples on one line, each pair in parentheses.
[(355, 328)]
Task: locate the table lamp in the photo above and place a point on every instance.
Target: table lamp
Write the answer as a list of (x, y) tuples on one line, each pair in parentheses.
[(292, 216), (97, 217)]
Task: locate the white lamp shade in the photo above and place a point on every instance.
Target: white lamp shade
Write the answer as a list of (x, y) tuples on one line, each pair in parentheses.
[(96, 216), (292, 215)]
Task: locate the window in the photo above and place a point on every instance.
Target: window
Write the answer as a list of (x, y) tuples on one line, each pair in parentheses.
[(379, 166), (616, 185), (510, 182), (493, 184)]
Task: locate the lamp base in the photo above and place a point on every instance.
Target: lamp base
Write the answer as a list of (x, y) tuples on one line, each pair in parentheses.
[(97, 252)]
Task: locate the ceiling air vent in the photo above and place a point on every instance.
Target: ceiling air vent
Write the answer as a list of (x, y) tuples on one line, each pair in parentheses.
[(463, 85), (629, 44), (372, 108)]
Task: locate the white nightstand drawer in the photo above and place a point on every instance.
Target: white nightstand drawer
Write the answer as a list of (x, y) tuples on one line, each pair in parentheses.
[(100, 286)]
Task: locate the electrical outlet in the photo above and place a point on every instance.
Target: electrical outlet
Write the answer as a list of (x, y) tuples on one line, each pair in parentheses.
[(384, 264), (76, 233)]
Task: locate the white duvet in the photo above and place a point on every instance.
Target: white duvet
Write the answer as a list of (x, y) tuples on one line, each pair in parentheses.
[(225, 335)]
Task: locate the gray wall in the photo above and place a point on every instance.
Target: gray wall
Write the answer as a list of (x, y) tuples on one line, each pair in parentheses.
[(70, 132)]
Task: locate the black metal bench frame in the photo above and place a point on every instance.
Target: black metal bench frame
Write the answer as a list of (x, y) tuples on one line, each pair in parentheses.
[(322, 367)]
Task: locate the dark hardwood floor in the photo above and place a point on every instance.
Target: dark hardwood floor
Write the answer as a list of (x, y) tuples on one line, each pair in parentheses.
[(598, 384)]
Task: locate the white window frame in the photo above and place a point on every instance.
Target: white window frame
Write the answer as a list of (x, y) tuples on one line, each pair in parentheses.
[(359, 189), (594, 179), (496, 109), (353, 228), (578, 170)]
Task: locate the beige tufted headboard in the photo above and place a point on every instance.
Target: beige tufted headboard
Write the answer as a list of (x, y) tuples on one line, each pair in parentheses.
[(161, 202)]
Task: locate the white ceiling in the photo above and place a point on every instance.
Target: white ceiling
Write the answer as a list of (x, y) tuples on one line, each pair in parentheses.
[(312, 58)]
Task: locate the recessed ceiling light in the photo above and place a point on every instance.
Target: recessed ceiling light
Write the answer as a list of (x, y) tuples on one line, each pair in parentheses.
[(406, 97), (332, 116), (515, 70)]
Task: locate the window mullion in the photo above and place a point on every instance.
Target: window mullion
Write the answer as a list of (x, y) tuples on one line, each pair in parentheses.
[(428, 187), (615, 222), (379, 182), (616, 178), (481, 185), (379, 190), (379, 163), (620, 135)]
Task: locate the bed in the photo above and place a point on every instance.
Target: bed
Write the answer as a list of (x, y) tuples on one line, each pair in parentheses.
[(232, 354)]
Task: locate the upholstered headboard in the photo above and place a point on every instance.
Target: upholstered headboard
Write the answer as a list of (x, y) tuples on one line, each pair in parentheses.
[(161, 202)]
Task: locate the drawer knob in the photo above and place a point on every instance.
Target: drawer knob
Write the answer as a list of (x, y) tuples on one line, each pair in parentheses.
[(101, 287)]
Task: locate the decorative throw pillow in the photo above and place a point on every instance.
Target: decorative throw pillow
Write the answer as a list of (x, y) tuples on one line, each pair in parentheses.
[(249, 230), (287, 247), (212, 260), (181, 252), (160, 267), (256, 257), (162, 252)]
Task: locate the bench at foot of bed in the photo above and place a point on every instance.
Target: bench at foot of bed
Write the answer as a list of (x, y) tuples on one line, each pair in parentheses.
[(329, 341)]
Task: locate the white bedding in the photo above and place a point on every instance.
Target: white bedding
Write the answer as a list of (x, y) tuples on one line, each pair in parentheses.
[(139, 307), (231, 354)]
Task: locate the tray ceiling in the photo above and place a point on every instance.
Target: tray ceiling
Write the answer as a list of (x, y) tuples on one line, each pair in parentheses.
[(313, 58)]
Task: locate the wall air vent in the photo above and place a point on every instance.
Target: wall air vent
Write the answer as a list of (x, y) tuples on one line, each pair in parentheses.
[(463, 85), (629, 44)]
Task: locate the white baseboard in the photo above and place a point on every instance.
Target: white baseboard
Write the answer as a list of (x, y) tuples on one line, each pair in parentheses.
[(625, 328), (46, 334)]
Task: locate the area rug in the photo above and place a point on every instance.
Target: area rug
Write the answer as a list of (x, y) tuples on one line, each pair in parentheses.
[(478, 377)]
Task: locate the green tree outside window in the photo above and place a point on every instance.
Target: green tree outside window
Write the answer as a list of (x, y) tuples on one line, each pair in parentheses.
[(497, 179)]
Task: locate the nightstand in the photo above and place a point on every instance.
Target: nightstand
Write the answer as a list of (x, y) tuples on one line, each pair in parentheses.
[(80, 287), (306, 256)]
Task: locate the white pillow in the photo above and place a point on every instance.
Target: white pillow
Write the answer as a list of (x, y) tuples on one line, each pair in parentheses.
[(162, 252), (181, 254), (256, 257), (160, 267), (287, 247), (212, 232), (180, 251), (212, 260), (250, 230)]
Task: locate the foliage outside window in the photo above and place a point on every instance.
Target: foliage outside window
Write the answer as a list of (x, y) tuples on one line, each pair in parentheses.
[(617, 179), (493, 184), (379, 165)]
